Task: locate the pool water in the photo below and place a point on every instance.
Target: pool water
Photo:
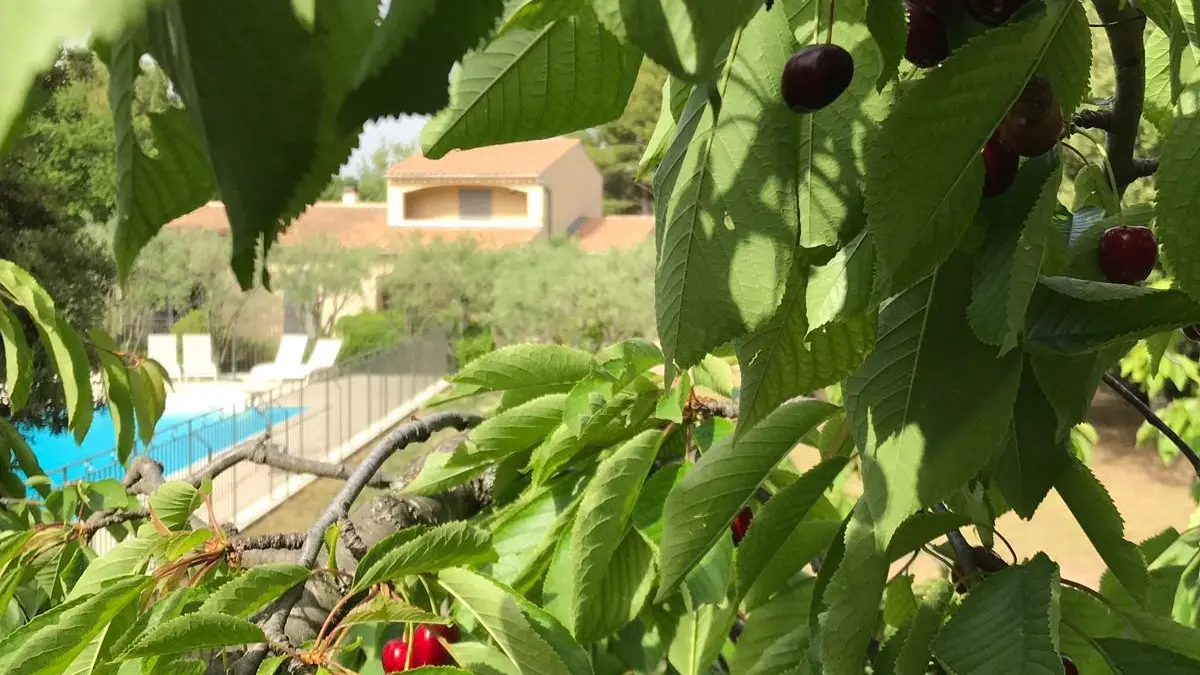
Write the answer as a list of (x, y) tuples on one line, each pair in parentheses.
[(180, 438)]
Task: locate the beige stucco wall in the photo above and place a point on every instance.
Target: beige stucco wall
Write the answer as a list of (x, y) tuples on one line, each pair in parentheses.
[(574, 188), (425, 205)]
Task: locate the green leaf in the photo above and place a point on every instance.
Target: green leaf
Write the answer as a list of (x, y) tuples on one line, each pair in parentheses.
[(776, 634), (1092, 507), (525, 538), (61, 341), (12, 440), (918, 217), (556, 451), (832, 141), (448, 545), (194, 631), (151, 191), (244, 595), (584, 76), (382, 609), (783, 359), (647, 513), (684, 36), (1008, 625), (270, 665), (482, 659), (922, 528), (776, 520), (698, 639), (716, 374), (148, 388), (923, 428), (1070, 382), (604, 513), (1068, 60), (622, 591), (841, 288), (502, 616), (907, 653), (930, 405), (47, 648), (36, 34), (444, 470), (810, 539), (1177, 203), (128, 557), (1132, 657), (18, 360), (1034, 456), (1019, 226), (1072, 316), (518, 428), (417, 43), (260, 133), (702, 505), (526, 366), (889, 29), (675, 95), (174, 502), (117, 388), (706, 296), (753, 180), (899, 601)]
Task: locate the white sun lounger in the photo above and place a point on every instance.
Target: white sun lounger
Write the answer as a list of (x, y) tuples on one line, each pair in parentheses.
[(289, 358), (164, 348), (198, 356)]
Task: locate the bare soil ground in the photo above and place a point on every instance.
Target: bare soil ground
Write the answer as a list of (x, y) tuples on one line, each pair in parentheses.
[(1151, 497)]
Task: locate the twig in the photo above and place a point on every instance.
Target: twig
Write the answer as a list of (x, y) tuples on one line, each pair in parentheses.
[(963, 553), (1145, 167), (102, 519), (353, 542), (708, 407), (291, 541), (1092, 119), (1154, 420), (1125, 25), (414, 432)]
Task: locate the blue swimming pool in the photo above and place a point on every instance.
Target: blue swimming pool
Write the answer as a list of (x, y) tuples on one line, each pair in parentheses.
[(180, 439)]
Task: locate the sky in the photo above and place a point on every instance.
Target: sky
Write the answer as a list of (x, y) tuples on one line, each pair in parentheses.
[(406, 129)]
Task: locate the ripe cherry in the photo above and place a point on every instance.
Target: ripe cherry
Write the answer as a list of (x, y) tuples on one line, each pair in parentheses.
[(1192, 332), (928, 44), (1127, 254), (1069, 666), (1034, 123), (427, 649), (740, 524), (1000, 166), (993, 12), (815, 76), (395, 653)]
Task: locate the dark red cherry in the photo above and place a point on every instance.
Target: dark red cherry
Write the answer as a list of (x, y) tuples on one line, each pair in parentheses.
[(1069, 666), (1192, 332), (740, 524), (427, 649), (1127, 254), (815, 76), (1034, 123), (1000, 166), (927, 44)]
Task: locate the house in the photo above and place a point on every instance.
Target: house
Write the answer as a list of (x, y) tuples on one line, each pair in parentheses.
[(502, 195)]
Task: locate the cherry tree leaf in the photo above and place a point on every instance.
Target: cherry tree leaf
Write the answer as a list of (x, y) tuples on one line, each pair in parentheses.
[(246, 594), (1034, 454), (1178, 203), (194, 631)]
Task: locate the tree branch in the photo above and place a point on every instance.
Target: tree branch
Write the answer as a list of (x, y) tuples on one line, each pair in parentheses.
[(1154, 420), (261, 453), (1092, 119), (414, 432), (1125, 24)]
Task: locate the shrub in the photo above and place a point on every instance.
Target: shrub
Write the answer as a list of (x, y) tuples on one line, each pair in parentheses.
[(195, 321), (369, 331), (477, 342)]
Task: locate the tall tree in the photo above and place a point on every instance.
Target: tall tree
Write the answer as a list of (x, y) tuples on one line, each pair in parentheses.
[(371, 174), (617, 147), (321, 276)]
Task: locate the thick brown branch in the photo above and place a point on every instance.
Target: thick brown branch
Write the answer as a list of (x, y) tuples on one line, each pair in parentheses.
[(1125, 24), (260, 453), (1092, 119), (291, 541), (1145, 167)]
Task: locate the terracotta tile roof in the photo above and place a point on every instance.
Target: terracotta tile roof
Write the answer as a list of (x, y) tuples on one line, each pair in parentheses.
[(527, 159), (358, 225), (605, 232)]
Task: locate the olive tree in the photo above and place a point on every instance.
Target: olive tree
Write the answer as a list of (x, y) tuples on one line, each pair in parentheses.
[(853, 196)]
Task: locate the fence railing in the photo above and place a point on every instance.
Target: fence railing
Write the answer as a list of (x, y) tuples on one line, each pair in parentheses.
[(327, 417)]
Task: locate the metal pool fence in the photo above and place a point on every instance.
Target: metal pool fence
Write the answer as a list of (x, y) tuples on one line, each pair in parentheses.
[(327, 417)]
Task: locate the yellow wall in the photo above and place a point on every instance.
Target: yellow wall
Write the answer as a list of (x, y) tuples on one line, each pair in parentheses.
[(440, 202), (575, 189)]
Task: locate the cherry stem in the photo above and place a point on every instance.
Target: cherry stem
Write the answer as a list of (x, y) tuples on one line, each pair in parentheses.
[(829, 29), (1154, 420)]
